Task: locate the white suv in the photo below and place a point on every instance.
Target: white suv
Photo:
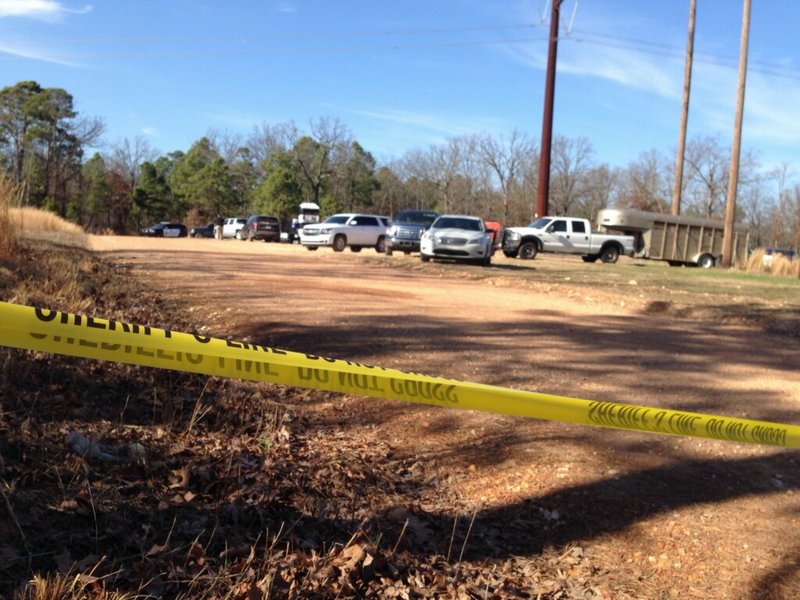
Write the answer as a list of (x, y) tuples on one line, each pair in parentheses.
[(347, 229)]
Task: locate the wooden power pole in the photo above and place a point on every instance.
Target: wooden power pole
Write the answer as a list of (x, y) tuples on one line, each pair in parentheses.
[(543, 191), (736, 148), (677, 191)]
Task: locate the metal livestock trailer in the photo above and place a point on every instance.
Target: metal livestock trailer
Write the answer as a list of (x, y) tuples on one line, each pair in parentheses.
[(679, 240)]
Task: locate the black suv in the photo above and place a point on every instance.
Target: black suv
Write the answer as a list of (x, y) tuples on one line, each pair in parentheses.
[(407, 229), (260, 227)]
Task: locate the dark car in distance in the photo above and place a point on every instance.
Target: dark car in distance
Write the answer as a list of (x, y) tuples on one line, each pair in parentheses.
[(261, 227), (407, 229), (166, 229), (206, 231)]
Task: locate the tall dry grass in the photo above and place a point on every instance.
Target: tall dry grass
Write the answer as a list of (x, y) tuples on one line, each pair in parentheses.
[(9, 229), (780, 265), (18, 222)]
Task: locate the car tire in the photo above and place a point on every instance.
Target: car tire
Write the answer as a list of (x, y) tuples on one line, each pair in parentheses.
[(609, 254), (528, 251), (590, 258), (380, 245), (424, 257), (510, 253), (339, 243), (312, 248)]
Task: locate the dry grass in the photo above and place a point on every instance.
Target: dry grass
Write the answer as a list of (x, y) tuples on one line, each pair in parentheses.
[(18, 222), (780, 265), (35, 223), (60, 587), (9, 230)]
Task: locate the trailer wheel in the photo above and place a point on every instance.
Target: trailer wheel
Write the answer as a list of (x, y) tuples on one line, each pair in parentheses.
[(528, 251), (339, 243), (610, 254), (706, 261)]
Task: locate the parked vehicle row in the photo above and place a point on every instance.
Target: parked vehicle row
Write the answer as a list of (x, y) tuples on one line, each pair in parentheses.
[(676, 239)]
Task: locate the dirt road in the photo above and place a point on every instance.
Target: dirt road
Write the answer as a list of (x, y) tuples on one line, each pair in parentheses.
[(683, 517)]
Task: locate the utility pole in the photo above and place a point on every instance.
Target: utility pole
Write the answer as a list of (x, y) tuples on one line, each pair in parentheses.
[(543, 191), (677, 191), (736, 149)]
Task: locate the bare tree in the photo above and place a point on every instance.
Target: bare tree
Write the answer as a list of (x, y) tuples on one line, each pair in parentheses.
[(571, 160), (599, 186), (267, 140), (506, 158), (127, 157), (643, 184), (707, 181)]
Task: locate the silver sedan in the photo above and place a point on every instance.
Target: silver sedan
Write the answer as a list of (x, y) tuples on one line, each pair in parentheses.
[(457, 237)]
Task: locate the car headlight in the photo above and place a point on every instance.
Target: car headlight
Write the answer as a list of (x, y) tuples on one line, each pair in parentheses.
[(325, 230), (512, 235), (392, 230)]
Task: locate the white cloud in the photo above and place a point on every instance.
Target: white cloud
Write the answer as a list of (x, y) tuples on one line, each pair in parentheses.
[(451, 125), (151, 132), (24, 52), (286, 7), (48, 10)]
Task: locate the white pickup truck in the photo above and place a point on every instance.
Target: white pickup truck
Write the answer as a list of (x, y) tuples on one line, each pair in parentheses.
[(566, 235)]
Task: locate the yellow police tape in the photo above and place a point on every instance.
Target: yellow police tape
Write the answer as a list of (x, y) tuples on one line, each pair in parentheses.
[(89, 337)]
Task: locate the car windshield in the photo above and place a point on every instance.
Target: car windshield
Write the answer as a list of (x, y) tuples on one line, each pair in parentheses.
[(337, 219), (541, 223), (416, 216), (458, 223)]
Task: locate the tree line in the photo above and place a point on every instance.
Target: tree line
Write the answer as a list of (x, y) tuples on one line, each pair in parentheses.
[(272, 170)]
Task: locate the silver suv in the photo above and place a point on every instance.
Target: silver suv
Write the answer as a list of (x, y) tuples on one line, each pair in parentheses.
[(407, 229)]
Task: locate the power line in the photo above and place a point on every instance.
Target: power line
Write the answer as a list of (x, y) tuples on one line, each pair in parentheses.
[(235, 45)]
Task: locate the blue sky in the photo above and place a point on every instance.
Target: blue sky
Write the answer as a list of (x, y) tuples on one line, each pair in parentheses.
[(406, 74)]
